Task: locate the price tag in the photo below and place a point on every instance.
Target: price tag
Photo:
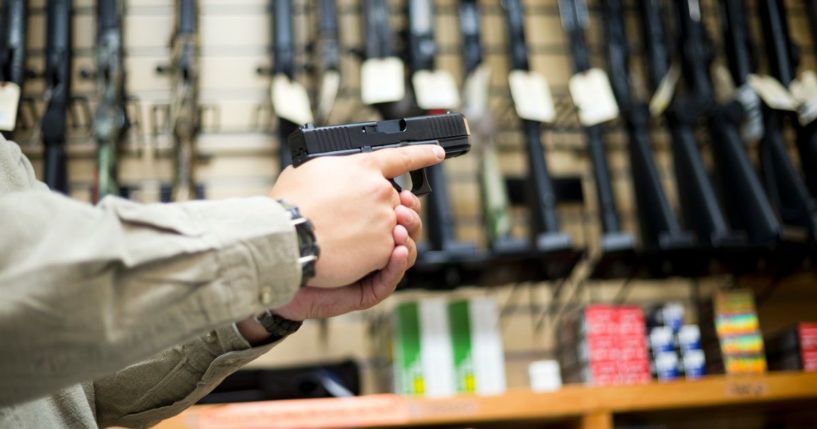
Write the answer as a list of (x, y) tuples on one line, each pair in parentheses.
[(435, 90), (804, 90), (593, 96), (666, 90), (382, 80), (531, 96), (290, 101), (330, 85), (475, 93), (725, 90), (772, 92), (9, 101)]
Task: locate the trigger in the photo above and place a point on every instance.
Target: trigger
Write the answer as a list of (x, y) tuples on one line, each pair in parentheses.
[(419, 183)]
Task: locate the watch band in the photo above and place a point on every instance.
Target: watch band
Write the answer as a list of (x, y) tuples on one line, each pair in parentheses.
[(276, 325), (307, 244)]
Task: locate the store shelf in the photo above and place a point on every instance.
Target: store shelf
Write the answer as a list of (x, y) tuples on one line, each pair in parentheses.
[(591, 407)]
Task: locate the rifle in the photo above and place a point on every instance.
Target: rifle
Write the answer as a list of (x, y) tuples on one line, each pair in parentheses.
[(378, 45), (660, 228), (784, 185), (746, 202), (329, 51), (283, 51), (783, 57), (185, 117), (545, 229), (111, 120), (441, 225), (13, 27), (58, 93), (493, 192), (699, 201), (573, 15)]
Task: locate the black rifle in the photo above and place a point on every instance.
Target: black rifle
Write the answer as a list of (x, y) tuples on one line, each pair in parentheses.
[(283, 52), (746, 202), (441, 225), (545, 229), (783, 56), (378, 43), (328, 49), (660, 228), (493, 191), (784, 185), (699, 201), (111, 121), (184, 104), (13, 26), (613, 241), (58, 90)]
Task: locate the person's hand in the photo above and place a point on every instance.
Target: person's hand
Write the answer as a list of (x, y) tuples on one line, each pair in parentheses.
[(320, 303), (355, 211)]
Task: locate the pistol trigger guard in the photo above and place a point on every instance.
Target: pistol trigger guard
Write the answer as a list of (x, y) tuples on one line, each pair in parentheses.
[(419, 182), (396, 185)]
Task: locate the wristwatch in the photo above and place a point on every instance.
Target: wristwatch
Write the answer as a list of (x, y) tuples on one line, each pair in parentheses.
[(307, 245), (277, 326)]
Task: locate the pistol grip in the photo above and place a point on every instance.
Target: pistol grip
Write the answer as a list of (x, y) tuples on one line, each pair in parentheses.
[(419, 182)]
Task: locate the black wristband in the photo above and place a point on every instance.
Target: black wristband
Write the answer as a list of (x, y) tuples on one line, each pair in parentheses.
[(277, 326), (307, 244)]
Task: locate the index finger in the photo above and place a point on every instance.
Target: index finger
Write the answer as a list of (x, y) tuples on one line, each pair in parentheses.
[(398, 161)]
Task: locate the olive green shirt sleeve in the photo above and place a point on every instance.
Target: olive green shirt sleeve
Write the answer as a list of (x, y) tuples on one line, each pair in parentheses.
[(160, 387), (87, 291)]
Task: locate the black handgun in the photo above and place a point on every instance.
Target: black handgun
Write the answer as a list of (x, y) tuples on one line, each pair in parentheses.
[(449, 130)]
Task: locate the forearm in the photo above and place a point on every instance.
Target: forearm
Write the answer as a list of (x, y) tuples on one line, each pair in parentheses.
[(95, 289), (173, 380)]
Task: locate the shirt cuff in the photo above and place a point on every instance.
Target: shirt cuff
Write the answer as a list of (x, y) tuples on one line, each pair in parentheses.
[(255, 233)]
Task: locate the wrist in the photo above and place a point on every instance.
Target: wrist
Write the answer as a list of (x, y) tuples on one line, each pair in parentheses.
[(308, 248), (253, 332)]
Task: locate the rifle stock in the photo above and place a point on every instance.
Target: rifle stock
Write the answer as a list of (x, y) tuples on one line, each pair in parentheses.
[(782, 56), (441, 224), (574, 17), (58, 87), (785, 187), (111, 120), (746, 202), (660, 228), (184, 109), (699, 201), (283, 43)]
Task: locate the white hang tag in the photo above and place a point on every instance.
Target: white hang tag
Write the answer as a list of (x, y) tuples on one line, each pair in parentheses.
[(665, 91), (593, 96), (725, 90), (476, 93), (330, 85), (290, 100), (531, 96), (752, 128), (9, 102), (435, 90), (382, 80), (804, 90), (772, 92)]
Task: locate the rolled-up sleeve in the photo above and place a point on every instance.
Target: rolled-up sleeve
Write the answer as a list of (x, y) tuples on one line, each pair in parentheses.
[(89, 290)]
